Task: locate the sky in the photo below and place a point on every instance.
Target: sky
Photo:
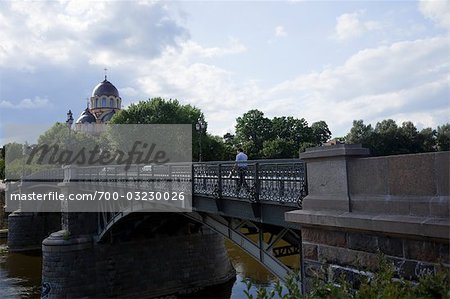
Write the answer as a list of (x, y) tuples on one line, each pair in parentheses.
[(333, 61)]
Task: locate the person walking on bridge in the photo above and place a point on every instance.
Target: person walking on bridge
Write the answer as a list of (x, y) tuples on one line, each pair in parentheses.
[(241, 166)]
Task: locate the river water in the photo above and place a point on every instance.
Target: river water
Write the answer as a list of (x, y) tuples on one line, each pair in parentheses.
[(20, 275)]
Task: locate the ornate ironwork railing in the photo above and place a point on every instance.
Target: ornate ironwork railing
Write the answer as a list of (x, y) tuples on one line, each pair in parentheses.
[(281, 181)]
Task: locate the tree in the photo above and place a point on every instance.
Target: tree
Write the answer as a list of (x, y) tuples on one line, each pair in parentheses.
[(305, 145), (161, 111), (389, 139), (252, 129), (320, 132), (279, 148), (359, 133), (228, 138), (214, 149), (157, 111), (292, 129), (427, 140), (280, 137), (443, 137), (2, 169), (13, 151)]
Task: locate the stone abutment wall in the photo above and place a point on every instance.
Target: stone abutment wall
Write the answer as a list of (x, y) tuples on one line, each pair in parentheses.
[(359, 207)]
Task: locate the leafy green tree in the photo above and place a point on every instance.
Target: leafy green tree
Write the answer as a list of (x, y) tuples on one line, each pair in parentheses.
[(229, 139), (408, 138), (292, 129), (161, 111), (279, 149), (214, 149), (280, 137), (252, 129), (320, 132), (390, 139), (443, 137), (2, 169), (157, 111), (427, 140), (13, 151), (305, 145), (359, 133)]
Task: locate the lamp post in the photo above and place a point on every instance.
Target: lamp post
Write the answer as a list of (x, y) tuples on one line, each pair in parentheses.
[(69, 123), (199, 126), (69, 120), (25, 149)]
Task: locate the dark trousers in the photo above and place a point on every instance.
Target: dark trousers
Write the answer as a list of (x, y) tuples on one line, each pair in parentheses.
[(242, 171)]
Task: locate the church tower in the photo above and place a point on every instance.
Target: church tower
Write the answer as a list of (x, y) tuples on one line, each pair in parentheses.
[(101, 107), (105, 101)]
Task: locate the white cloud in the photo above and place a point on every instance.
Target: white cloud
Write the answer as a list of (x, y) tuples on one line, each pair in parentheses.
[(349, 25), (35, 103), (154, 56), (404, 79), (437, 10), (280, 31), (66, 32)]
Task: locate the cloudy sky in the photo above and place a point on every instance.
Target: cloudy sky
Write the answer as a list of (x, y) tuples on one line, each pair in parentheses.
[(332, 61)]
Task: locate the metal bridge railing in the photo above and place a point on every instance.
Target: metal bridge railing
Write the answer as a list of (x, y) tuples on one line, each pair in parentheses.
[(277, 181), (281, 181)]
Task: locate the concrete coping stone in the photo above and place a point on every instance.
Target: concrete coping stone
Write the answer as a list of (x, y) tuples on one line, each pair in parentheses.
[(337, 150), (61, 242), (381, 223)]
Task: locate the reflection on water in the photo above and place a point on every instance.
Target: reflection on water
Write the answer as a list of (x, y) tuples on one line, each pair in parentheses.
[(20, 275)]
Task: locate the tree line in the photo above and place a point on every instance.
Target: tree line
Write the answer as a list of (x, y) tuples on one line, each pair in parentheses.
[(261, 137), (388, 138)]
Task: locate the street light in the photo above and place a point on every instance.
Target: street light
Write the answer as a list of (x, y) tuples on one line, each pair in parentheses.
[(69, 123), (199, 126), (69, 120)]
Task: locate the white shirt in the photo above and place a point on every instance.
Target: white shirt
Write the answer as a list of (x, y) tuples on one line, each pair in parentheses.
[(241, 157)]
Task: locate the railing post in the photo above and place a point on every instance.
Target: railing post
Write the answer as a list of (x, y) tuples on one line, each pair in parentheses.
[(138, 171), (204, 179), (169, 180), (257, 182), (193, 179), (219, 184)]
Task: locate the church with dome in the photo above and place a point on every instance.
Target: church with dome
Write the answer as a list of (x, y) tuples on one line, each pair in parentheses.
[(101, 107)]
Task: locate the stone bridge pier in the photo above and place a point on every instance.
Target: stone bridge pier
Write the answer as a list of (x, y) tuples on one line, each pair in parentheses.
[(27, 230), (149, 255)]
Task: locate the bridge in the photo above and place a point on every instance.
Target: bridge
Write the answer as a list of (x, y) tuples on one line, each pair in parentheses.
[(335, 218), (250, 216)]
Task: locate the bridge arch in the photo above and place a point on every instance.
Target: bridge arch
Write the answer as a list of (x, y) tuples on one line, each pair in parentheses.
[(231, 228)]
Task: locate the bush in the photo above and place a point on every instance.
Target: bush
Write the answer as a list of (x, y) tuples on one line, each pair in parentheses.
[(381, 285)]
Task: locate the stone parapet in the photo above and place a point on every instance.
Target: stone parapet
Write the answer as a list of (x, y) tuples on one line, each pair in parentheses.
[(338, 150), (416, 185), (328, 176), (359, 207), (429, 227)]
